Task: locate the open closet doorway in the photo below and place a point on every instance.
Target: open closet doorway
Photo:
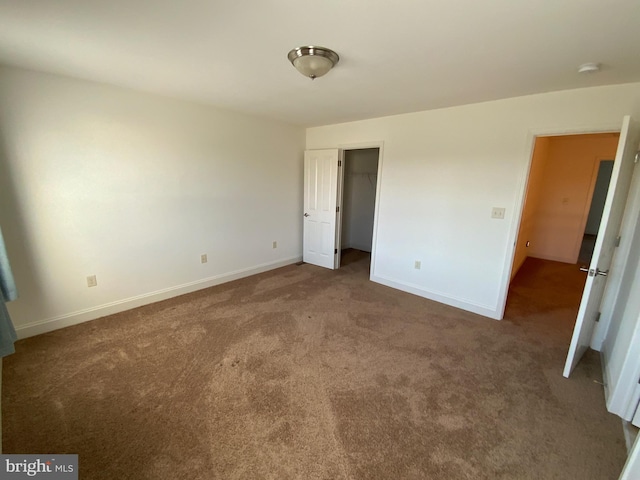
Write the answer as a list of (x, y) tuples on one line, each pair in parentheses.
[(324, 204), (359, 185)]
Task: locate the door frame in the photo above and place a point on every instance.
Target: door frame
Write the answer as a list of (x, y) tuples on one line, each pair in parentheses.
[(379, 144), (623, 396), (523, 183), (337, 258)]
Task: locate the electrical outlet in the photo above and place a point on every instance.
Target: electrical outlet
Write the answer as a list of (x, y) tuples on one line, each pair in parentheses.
[(497, 212), (203, 258), (275, 244), (92, 281), (417, 264)]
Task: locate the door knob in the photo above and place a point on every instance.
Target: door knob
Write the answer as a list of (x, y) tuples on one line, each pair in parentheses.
[(593, 273), (306, 214)]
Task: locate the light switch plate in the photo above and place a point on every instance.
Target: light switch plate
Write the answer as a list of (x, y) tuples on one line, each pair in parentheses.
[(497, 212)]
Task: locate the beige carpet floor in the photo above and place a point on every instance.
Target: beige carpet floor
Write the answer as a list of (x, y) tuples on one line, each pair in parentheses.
[(306, 373)]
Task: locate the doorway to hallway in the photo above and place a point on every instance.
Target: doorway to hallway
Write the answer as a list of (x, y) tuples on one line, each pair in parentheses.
[(565, 196)]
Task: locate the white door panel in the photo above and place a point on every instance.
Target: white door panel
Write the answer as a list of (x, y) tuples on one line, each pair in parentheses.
[(605, 243), (320, 201)]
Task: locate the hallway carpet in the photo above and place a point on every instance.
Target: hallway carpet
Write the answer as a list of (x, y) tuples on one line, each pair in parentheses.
[(306, 373)]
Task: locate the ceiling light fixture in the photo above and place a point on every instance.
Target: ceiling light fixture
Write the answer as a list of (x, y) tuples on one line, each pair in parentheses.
[(313, 62), (589, 68)]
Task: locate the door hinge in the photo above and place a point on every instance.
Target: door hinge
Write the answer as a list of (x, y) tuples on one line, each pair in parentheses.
[(637, 157), (335, 251), (598, 316), (618, 241), (339, 163), (337, 209)]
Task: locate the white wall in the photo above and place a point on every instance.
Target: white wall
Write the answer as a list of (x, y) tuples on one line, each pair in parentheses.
[(134, 188), (444, 170), (360, 178)]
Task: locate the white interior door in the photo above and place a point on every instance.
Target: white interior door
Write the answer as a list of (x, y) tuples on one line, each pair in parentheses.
[(605, 243), (320, 205)]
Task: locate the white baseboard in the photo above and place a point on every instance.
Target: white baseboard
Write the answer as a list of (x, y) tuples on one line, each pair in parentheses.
[(80, 316), (515, 268), (630, 432), (483, 310), (361, 247), (553, 258), (605, 378)]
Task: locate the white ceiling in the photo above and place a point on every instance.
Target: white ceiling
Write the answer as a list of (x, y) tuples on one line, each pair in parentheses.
[(396, 57)]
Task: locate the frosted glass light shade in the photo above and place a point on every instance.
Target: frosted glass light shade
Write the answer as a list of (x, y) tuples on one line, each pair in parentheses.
[(313, 66), (313, 62)]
